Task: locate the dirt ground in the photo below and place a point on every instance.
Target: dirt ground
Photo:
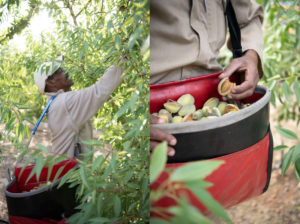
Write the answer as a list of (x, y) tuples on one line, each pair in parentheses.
[(279, 205)]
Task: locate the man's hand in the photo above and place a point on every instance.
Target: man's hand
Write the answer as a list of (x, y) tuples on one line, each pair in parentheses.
[(248, 65), (157, 136)]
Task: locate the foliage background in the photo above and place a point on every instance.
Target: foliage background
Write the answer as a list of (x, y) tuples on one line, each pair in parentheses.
[(282, 72), (92, 35), (281, 59)]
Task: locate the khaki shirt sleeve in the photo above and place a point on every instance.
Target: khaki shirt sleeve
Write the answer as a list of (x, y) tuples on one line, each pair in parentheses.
[(250, 17), (83, 104)]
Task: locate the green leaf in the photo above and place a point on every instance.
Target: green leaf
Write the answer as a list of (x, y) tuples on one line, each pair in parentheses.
[(287, 160), (158, 221), (50, 165), (9, 124), (122, 110), (85, 46), (23, 153), (272, 84), (27, 132), (97, 163), (117, 206), (43, 148), (39, 166), (64, 179), (296, 174), (297, 90), (286, 90), (273, 98), (100, 202), (133, 101), (286, 133), (133, 38), (280, 147), (109, 26), (107, 172), (200, 183), (195, 170), (186, 213), (297, 42), (158, 161), (296, 152), (297, 166), (3, 114), (27, 161), (58, 173), (118, 42), (209, 202), (100, 220), (83, 176), (20, 132), (93, 142), (113, 162)]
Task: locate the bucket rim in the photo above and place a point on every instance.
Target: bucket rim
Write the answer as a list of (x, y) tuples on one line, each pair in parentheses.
[(33, 192), (218, 122)]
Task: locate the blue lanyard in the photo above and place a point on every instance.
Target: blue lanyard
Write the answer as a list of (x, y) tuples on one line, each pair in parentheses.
[(43, 114)]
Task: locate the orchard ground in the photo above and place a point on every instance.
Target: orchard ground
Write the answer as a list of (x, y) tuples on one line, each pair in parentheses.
[(280, 204)]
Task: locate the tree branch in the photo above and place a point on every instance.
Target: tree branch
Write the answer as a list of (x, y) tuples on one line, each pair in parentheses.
[(83, 8), (68, 5), (19, 25)]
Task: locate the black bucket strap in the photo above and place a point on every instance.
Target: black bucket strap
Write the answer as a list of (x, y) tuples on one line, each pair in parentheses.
[(234, 30)]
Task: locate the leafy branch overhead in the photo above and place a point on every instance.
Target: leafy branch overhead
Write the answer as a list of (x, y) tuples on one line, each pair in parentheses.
[(19, 24)]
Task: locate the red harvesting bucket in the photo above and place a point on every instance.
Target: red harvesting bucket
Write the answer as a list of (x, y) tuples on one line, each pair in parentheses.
[(44, 205), (242, 139)]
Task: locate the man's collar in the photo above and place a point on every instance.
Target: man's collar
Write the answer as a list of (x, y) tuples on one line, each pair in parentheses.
[(50, 94)]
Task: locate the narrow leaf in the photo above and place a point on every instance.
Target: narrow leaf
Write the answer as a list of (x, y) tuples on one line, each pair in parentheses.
[(209, 202), (195, 171), (297, 166), (117, 42), (117, 206), (158, 221), (287, 160), (97, 163), (280, 147), (100, 220), (158, 161), (297, 90), (273, 98), (83, 176), (286, 133), (187, 213), (296, 152), (58, 173), (43, 148), (39, 166), (286, 90)]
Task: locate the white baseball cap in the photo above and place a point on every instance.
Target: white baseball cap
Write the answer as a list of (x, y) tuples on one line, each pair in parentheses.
[(46, 69)]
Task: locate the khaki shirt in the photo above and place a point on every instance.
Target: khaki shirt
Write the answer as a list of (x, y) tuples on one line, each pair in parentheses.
[(70, 112), (186, 36)]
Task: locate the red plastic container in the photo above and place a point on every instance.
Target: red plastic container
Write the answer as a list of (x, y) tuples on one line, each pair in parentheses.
[(242, 139), (45, 205)]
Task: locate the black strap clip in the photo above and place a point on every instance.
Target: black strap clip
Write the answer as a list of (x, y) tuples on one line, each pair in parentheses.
[(237, 53)]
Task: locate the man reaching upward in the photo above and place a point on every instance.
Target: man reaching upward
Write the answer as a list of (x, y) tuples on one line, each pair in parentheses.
[(70, 112)]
